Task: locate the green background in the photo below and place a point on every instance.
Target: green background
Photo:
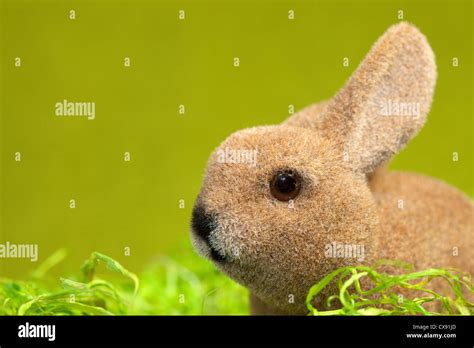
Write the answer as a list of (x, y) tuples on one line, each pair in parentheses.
[(136, 204)]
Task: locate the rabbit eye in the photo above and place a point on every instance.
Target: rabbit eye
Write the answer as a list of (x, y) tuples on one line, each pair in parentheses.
[(285, 185)]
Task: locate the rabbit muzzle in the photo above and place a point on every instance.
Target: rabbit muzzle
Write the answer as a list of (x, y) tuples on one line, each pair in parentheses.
[(202, 225)]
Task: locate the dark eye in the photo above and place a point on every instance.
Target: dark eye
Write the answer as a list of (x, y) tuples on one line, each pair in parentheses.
[(285, 185)]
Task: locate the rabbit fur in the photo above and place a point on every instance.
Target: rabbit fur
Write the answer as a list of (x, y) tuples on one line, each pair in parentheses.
[(339, 149)]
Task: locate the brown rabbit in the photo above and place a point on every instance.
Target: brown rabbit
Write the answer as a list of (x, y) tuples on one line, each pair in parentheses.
[(275, 199)]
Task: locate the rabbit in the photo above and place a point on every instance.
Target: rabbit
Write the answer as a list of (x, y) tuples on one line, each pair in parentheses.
[(319, 179)]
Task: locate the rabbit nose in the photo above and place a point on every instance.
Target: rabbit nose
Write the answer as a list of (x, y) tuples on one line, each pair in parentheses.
[(202, 223)]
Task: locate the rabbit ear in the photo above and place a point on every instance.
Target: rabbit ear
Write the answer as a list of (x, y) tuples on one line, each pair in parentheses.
[(309, 117), (385, 102)]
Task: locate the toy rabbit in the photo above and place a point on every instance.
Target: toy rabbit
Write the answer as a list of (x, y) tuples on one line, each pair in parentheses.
[(318, 180)]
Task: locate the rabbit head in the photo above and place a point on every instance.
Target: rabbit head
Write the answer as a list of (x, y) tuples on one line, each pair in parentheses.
[(275, 199)]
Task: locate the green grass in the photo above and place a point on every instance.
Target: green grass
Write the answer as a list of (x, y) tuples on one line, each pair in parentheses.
[(190, 285), (382, 296)]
